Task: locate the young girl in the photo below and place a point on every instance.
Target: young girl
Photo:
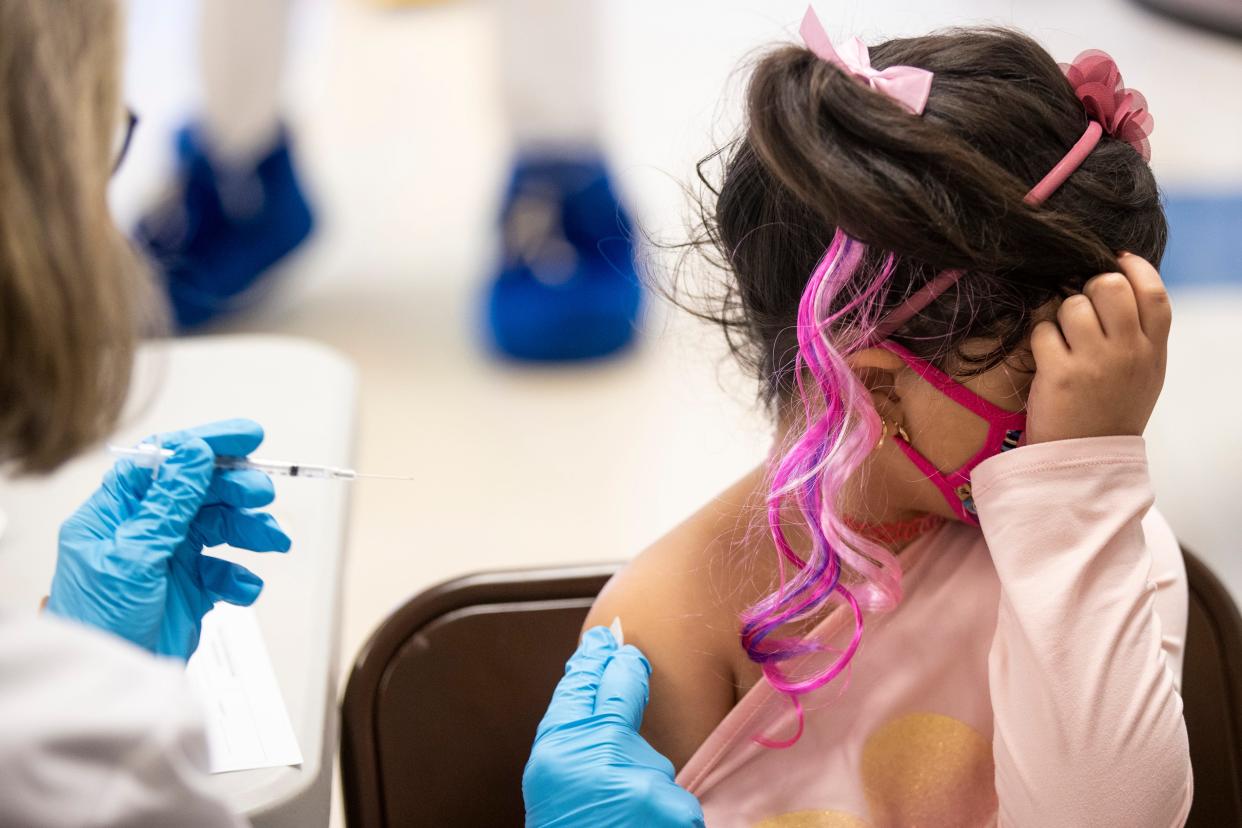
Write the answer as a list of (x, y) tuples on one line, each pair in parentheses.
[(956, 604)]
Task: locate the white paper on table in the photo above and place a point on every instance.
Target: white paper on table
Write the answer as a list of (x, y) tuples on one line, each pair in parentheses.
[(247, 722)]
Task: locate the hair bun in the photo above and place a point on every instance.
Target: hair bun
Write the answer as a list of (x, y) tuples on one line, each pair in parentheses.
[(1121, 111)]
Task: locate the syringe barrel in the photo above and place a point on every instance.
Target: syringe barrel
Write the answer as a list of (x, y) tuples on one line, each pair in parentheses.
[(149, 455), (285, 469)]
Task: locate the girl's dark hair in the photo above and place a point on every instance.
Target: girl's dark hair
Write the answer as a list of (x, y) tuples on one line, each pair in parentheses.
[(822, 151)]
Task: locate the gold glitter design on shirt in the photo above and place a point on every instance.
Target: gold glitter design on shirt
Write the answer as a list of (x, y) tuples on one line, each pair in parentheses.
[(929, 769), (813, 819)]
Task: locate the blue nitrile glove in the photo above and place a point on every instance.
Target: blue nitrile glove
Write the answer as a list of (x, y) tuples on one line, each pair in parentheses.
[(130, 559), (589, 766)]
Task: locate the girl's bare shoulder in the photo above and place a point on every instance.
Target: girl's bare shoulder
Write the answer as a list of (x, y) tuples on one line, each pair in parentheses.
[(679, 601)]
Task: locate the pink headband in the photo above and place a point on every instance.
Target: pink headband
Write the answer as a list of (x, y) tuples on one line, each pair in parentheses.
[(1109, 105)]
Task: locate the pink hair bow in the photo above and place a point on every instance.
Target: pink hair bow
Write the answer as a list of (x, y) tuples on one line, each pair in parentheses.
[(907, 85), (1120, 111)]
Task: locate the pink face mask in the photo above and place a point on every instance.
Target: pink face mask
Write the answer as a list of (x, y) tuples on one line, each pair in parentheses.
[(1004, 433)]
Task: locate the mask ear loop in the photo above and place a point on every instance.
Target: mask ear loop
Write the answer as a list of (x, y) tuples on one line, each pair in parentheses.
[(1004, 429)]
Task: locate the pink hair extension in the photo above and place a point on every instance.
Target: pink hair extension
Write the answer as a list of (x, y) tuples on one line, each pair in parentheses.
[(781, 744), (840, 430)]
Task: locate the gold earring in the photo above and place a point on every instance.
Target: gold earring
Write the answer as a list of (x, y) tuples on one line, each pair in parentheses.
[(898, 429)]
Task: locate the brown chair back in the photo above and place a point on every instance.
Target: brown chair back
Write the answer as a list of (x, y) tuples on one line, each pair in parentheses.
[(442, 705), (443, 702), (1212, 693)]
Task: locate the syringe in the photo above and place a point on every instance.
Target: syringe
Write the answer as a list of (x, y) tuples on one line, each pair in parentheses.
[(149, 455)]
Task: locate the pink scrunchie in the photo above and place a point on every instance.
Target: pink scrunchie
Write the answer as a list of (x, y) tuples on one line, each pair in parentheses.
[(1122, 112)]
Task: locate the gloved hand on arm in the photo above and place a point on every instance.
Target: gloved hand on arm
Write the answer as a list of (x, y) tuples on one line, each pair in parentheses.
[(131, 558), (589, 766)]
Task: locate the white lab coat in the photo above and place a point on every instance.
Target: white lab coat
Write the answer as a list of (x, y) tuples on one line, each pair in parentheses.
[(95, 732)]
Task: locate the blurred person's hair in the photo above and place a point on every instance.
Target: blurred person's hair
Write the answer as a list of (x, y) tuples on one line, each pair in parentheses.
[(71, 290)]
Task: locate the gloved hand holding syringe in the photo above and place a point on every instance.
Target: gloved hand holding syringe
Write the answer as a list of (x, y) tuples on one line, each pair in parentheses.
[(151, 456)]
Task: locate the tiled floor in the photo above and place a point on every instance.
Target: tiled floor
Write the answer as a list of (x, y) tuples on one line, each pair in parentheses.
[(401, 135)]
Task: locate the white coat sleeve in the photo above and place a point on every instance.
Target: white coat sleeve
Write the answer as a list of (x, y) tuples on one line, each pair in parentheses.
[(95, 733)]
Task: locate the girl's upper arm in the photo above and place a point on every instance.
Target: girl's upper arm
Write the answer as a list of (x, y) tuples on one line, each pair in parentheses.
[(667, 611)]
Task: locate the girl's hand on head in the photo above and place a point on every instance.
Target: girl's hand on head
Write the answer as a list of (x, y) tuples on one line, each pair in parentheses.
[(1100, 366)]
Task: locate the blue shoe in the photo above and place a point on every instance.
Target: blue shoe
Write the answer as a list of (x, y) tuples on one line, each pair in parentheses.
[(224, 228), (567, 288)]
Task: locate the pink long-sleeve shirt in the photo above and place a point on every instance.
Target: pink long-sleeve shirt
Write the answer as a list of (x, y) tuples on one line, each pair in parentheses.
[(1029, 677)]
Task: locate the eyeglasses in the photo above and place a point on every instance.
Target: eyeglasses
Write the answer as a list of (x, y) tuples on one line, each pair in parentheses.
[(124, 135)]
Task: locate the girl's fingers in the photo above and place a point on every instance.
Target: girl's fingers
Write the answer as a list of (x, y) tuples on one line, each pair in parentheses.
[(1047, 344), (1080, 326), (1155, 312), (1115, 304)]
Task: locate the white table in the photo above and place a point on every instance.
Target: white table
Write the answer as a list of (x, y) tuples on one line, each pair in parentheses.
[(304, 394)]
